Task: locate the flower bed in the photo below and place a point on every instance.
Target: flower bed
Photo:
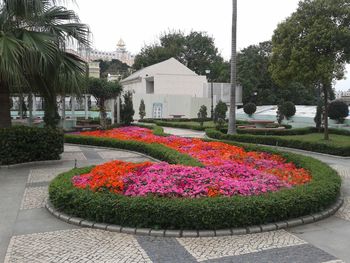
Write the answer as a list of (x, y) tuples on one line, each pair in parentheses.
[(229, 170), (202, 185)]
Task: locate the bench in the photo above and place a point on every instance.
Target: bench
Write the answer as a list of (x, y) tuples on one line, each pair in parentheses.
[(266, 129)]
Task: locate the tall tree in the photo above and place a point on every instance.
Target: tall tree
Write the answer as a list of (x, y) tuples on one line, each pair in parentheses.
[(232, 117), (113, 67), (103, 90), (312, 46), (196, 50), (33, 35)]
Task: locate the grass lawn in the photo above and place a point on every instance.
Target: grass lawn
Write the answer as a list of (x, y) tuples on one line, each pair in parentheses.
[(334, 140)]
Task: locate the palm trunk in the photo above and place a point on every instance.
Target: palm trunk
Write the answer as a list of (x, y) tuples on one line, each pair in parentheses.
[(325, 93), (232, 117), (51, 117), (5, 108)]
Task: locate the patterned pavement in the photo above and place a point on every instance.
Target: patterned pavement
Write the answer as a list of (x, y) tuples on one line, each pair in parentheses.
[(34, 235)]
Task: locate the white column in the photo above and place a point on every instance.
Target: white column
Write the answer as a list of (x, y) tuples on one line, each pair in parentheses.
[(34, 105), (73, 107), (30, 108), (86, 107), (63, 110), (112, 111), (118, 110)]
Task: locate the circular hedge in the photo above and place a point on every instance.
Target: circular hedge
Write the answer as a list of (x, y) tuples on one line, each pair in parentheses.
[(200, 213)]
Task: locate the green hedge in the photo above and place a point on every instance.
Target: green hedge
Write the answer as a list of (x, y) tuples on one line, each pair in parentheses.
[(182, 123), (280, 141), (20, 144), (199, 213), (288, 131), (154, 150)]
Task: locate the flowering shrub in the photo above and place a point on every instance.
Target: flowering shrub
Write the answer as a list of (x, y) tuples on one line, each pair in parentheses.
[(228, 170)]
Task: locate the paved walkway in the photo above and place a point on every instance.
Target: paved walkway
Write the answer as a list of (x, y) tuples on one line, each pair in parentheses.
[(29, 234)]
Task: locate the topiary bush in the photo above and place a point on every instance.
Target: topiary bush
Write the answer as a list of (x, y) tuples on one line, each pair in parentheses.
[(338, 110), (220, 111), (22, 144), (200, 213), (249, 108), (288, 109)]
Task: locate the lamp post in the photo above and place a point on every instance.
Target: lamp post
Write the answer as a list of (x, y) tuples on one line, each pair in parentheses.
[(211, 95)]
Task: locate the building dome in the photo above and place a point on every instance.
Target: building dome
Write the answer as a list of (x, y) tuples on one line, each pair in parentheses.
[(121, 44)]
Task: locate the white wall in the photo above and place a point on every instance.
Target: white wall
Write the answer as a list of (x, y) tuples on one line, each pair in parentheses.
[(179, 85), (171, 105)]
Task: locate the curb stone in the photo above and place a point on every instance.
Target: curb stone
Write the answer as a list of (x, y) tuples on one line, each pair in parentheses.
[(195, 233)]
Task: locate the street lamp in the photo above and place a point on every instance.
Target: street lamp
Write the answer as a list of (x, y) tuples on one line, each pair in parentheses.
[(207, 72)]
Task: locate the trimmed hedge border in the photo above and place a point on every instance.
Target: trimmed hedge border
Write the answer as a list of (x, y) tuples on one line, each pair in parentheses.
[(195, 214), (278, 141), (21, 144), (181, 123), (197, 233)]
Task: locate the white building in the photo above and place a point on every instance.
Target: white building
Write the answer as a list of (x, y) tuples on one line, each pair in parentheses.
[(343, 96), (120, 53), (169, 89)]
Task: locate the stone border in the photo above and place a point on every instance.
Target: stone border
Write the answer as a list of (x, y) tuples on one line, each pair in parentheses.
[(197, 233)]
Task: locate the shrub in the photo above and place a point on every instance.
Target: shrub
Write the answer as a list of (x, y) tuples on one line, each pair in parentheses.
[(288, 109), (319, 115), (127, 109), (22, 144), (202, 114), (200, 213), (142, 109), (249, 108), (220, 111), (338, 110)]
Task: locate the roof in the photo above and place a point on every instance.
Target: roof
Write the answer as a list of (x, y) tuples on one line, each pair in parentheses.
[(167, 67)]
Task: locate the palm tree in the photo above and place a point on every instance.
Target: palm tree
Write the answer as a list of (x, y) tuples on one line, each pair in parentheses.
[(232, 117), (33, 37)]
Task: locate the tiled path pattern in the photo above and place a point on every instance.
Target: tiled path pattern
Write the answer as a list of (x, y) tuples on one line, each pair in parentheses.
[(57, 242)]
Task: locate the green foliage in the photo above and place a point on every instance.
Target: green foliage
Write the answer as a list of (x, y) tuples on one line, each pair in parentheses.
[(200, 213), (313, 49), (319, 115), (202, 114), (249, 108), (283, 142), (33, 57), (127, 109), (338, 110), (196, 50), (287, 109), (220, 111), (20, 144), (103, 90), (113, 67), (142, 109)]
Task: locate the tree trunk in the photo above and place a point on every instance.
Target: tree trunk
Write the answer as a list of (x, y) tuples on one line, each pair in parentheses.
[(232, 116), (51, 117), (103, 114), (325, 93), (5, 108)]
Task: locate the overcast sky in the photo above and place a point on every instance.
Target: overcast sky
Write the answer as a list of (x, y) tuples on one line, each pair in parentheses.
[(140, 22)]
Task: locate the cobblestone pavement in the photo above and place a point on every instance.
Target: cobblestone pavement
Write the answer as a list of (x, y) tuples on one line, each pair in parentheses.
[(29, 234)]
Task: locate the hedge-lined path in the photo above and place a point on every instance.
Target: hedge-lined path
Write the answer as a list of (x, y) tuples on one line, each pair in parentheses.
[(28, 233)]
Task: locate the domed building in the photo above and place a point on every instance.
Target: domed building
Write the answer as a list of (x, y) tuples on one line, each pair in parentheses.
[(120, 53)]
